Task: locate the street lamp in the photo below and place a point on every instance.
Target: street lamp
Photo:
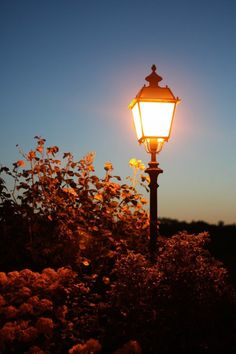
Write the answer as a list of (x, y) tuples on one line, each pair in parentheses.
[(153, 111)]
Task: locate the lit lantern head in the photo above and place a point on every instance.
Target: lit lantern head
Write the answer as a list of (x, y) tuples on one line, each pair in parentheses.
[(153, 111)]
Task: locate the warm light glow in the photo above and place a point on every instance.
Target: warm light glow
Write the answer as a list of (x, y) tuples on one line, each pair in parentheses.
[(137, 121), (153, 119), (154, 144), (157, 118)]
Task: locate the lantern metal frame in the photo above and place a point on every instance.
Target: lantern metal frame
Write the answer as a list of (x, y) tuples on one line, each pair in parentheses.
[(153, 93)]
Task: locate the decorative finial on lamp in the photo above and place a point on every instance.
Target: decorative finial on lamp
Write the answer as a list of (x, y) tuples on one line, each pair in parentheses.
[(153, 78)]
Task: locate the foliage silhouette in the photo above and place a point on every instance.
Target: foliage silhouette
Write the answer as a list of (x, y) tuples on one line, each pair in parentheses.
[(222, 243), (57, 206), (101, 293)]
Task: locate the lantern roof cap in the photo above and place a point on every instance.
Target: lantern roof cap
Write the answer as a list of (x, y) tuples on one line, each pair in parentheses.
[(156, 94), (153, 92)]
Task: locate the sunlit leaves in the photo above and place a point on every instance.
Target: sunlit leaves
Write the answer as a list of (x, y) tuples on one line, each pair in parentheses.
[(60, 213), (51, 150), (67, 194), (20, 163), (31, 155)]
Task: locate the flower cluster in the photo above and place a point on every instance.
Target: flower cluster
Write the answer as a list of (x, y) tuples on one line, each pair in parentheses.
[(33, 306), (137, 164), (91, 346)]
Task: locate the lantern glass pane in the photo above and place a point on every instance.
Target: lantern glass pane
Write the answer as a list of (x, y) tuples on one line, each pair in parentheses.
[(137, 121), (157, 118)]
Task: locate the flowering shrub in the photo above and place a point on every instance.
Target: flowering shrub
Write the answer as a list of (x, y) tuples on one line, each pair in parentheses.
[(101, 292), (183, 303), (52, 311), (56, 206), (41, 311)]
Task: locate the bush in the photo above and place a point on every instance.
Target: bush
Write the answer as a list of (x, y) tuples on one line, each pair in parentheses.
[(184, 303), (101, 293), (56, 206), (44, 310)]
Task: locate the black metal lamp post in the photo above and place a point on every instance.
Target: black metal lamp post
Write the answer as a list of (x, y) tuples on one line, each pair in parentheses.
[(153, 111)]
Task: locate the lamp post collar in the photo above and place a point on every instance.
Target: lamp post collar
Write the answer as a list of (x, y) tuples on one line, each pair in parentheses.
[(153, 78)]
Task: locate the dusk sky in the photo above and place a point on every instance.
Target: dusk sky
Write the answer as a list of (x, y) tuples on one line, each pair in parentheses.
[(69, 69)]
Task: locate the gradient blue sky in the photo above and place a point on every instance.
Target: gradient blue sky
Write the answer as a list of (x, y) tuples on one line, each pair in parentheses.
[(68, 70)]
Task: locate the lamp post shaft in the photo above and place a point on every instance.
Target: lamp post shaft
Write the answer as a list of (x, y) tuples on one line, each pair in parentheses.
[(153, 170)]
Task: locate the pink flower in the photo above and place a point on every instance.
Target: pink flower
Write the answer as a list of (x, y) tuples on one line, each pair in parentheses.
[(28, 276), (45, 325), (131, 347), (34, 300), (10, 312), (40, 283), (91, 346), (3, 279), (106, 280), (2, 301), (24, 292), (62, 312), (50, 273), (35, 350), (40, 305), (46, 305), (53, 287), (13, 275), (23, 325), (26, 308), (65, 273), (28, 334), (8, 332), (83, 288)]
